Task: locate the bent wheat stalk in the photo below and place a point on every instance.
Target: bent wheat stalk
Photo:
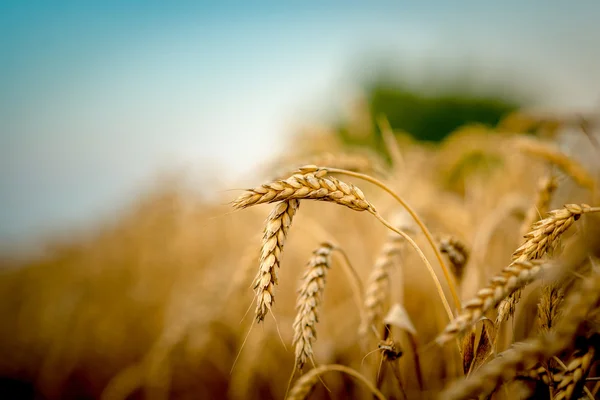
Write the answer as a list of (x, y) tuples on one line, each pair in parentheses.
[(414, 215), (305, 384)]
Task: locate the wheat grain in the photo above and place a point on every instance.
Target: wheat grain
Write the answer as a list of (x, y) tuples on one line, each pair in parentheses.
[(309, 299)]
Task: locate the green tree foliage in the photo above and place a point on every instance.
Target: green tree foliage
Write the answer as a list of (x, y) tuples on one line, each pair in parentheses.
[(429, 114), (433, 117)]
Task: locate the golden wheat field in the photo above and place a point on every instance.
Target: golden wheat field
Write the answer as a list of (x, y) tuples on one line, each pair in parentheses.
[(465, 269)]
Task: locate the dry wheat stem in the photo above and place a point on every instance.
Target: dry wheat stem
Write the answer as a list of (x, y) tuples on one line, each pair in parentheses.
[(378, 284), (516, 275), (510, 362), (353, 278), (572, 379), (436, 281), (276, 230), (310, 296), (303, 386), (417, 220), (390, 141)]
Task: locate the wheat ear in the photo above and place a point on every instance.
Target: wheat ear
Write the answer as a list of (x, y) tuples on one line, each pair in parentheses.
[(312, 182), (546, 188), (572, 380), (303, 386), (457, 253), (313, 185), (276, 230), (516, 275), (310, 296), (549, 306), (507, 364), (542, 239)]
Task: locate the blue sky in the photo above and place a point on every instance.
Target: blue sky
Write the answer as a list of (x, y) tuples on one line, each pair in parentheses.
[(96, 98)]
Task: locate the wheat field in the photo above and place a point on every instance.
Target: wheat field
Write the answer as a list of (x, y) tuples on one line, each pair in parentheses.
[(464, 269)]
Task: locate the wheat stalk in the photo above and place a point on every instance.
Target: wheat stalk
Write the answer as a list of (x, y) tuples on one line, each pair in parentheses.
[(535, 350), (303, 386), (309, 299), (391, 143), (276, 230), (423, 228)]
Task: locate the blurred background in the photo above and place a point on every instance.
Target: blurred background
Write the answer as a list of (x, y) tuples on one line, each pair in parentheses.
[(97, 98), (126, 127)]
